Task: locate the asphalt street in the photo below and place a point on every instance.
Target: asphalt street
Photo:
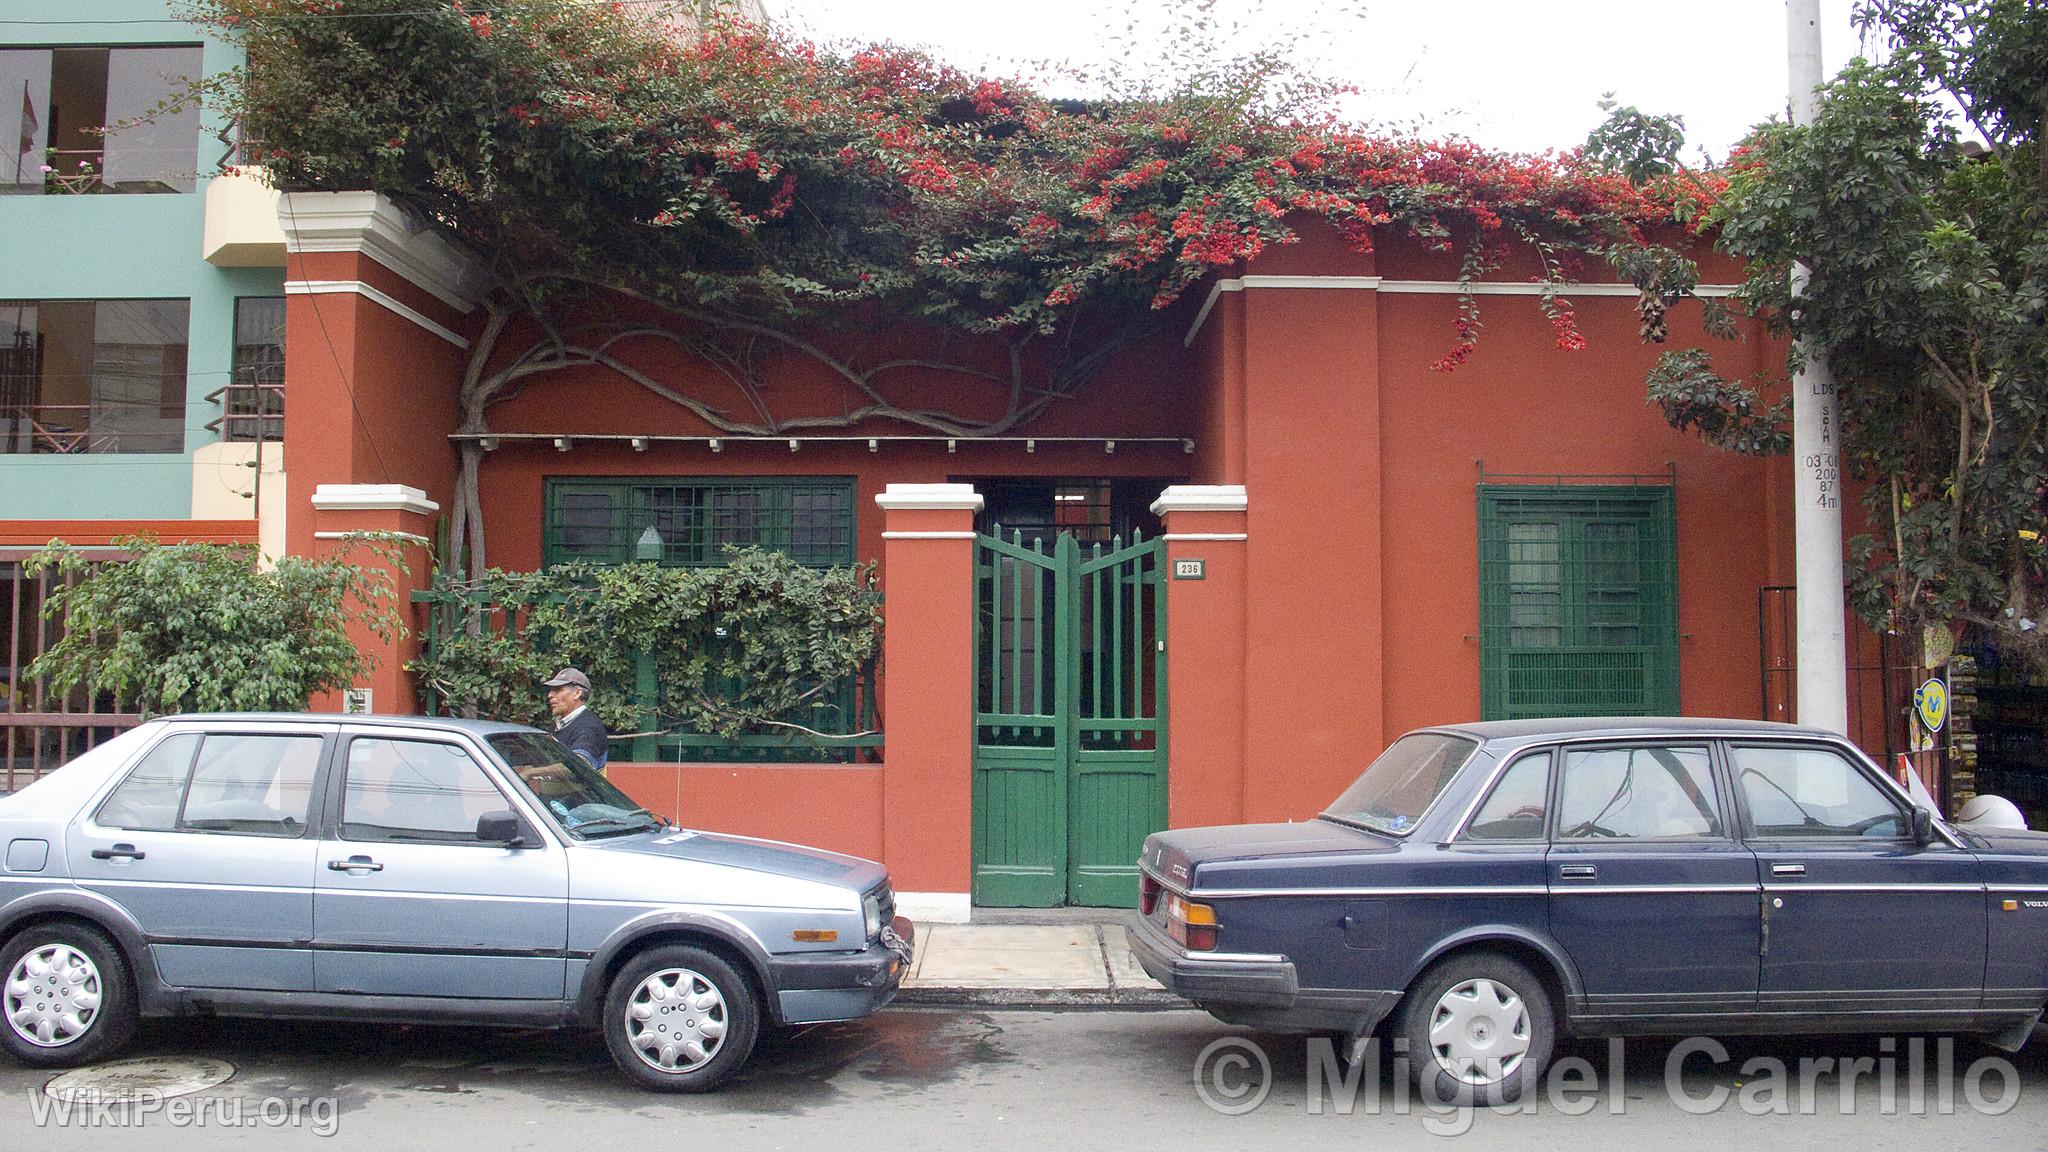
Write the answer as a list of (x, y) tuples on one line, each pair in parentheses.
[(933, 1078)]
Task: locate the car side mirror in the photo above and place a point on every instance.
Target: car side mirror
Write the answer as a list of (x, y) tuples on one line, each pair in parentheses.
[(1923, 827), (501, 827)]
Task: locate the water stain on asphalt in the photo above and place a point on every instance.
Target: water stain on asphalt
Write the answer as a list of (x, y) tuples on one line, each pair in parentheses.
[(790, 1072)]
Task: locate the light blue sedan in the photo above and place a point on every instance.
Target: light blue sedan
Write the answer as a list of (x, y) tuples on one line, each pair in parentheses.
[(413, 869)]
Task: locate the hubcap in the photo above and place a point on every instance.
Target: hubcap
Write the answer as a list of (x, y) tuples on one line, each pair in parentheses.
[(676, 1020), (1479, 1032), (53, 995)]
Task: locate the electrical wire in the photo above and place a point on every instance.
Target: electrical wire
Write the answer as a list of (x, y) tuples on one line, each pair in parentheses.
[(313, 300)]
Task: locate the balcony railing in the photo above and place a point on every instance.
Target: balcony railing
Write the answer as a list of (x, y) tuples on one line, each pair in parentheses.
[(84, 429), (249, 412)]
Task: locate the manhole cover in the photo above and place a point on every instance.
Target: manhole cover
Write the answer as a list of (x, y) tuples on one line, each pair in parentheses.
[(148, 1078)]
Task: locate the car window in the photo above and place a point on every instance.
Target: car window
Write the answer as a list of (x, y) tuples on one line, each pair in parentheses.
[(147, 801), (572, 791), (1638, 794), (1399, 787), (414, 790), (1518, 804), (252, 785), (1813, 792)]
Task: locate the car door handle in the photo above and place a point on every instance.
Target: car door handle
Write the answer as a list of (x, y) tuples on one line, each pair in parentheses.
[(1578, 871), (118, 852), (355, 864), (1788, 869)]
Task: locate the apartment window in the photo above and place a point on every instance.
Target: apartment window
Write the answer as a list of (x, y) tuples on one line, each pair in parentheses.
[(252, 404), (65, 99), (690, 521), (92, 376)]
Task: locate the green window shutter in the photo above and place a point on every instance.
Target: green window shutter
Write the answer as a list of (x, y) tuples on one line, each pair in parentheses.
[(691, 520), (1577, 601)]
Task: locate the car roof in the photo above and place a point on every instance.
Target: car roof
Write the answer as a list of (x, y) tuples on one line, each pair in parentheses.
[(1626, 727), (353, 719)]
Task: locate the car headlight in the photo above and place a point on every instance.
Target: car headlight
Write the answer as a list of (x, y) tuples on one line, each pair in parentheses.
[(871, 912)]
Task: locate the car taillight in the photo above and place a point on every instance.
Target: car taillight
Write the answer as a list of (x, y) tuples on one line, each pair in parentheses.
[(1148, 894), (1192, 926)]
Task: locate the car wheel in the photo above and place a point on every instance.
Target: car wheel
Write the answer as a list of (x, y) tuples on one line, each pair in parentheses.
[(1480, 1030), (67, 997), (680, 1019)]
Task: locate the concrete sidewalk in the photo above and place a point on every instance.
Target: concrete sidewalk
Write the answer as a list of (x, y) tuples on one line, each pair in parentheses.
[(1029, 965)]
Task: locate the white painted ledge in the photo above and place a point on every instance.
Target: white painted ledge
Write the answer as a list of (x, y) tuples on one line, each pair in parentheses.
[(1201, 498), (929, 498), (375, 295), (935, 907), (373, 498)]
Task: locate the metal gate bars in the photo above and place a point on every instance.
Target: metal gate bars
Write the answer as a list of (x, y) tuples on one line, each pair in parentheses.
[(1070, 718)]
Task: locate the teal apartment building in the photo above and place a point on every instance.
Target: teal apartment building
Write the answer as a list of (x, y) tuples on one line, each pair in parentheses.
[(141, 319)]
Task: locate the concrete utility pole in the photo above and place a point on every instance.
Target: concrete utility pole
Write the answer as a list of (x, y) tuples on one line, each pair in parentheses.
[(1816, 456)]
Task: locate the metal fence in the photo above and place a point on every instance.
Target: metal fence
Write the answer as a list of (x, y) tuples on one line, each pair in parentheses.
[(41, 729), (1881, 675)]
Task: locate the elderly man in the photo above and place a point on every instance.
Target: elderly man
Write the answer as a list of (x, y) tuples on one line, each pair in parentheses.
[(576, 726)]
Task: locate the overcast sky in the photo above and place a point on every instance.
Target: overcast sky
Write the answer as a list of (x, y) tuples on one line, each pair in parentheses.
[(1511, 74)]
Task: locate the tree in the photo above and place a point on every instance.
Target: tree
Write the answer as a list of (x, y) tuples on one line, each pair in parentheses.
[(753, 199), (1929, 292), (201, 628)]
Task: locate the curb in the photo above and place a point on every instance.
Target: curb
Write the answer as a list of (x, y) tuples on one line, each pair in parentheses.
[(1102, 999)]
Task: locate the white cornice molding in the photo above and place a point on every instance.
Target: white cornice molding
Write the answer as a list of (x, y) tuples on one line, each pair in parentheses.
[(1533, 288), (929, 498), (1417, 287), (373, 293), (408, 537), (374, 225), (373, 498), (1201, 498)]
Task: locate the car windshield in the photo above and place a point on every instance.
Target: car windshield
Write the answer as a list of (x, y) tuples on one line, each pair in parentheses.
[(1395, 791), (574, 793)]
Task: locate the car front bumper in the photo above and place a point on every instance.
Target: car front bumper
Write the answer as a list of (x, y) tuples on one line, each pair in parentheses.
[(815, 989), (1215, 978)]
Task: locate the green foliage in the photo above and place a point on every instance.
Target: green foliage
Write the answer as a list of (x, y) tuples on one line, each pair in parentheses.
[(1727, 414), (201, 628), (1929, 295), (1634, 143), (749, 645)]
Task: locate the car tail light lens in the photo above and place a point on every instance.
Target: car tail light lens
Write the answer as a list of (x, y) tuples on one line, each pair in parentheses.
[(1192, 926), (1148, 894)]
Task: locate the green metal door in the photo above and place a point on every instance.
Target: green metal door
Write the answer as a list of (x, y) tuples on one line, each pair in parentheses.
[(1070, 724)]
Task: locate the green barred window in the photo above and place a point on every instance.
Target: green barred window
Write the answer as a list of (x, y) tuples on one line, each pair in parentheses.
[(690, 520), (1578, 601)]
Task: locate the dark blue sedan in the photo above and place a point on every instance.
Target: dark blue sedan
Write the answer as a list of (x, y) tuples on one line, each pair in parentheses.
[(1484, 888)]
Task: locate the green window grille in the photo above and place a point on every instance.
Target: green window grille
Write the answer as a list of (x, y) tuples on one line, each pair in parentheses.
[(691, 520), (1578, 601)]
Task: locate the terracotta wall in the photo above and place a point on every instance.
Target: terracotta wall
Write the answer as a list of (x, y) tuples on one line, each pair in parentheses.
[(1358, 616), (1362, 465), (1150, 391)]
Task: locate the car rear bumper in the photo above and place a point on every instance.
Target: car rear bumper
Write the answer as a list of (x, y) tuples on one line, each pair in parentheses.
[(1215, 978), (813, 989)]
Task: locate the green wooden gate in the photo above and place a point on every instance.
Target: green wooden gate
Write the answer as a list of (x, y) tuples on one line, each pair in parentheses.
[(1070, 718)]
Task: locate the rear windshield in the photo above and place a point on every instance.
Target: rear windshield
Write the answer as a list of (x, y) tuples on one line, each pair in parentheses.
[(1397, 789)]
